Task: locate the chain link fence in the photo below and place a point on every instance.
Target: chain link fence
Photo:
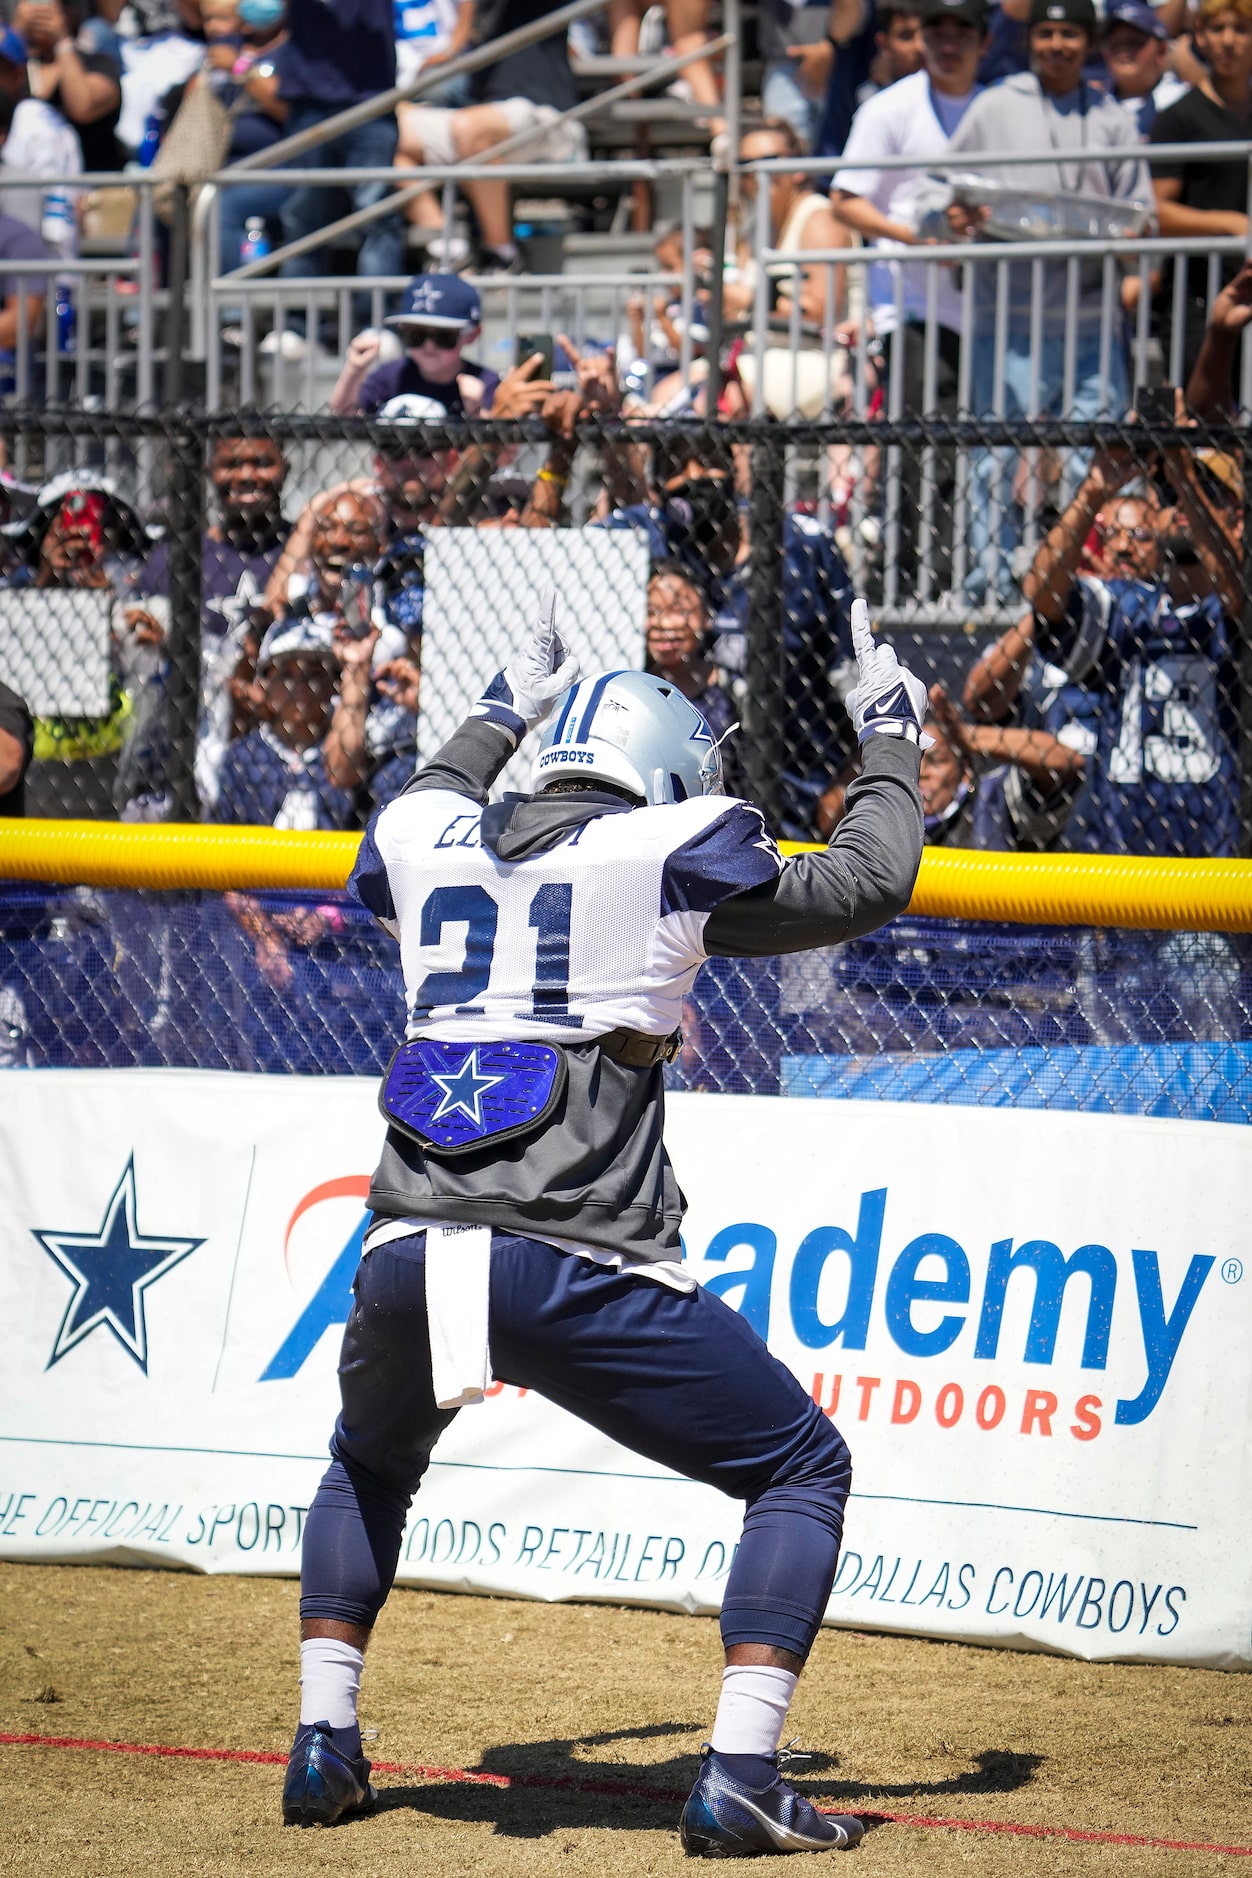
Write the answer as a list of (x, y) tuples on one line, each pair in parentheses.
[(260, 618), (266, 618)]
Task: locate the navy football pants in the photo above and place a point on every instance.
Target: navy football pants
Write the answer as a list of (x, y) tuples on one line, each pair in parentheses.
[(675, 1376)]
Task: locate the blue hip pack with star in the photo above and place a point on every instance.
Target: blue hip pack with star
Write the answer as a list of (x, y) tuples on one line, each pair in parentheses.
[(452, 1098)]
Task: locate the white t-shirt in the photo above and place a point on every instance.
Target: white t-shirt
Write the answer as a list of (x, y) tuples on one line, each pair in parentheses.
[(40, 143), (423, 27), (908, 118)]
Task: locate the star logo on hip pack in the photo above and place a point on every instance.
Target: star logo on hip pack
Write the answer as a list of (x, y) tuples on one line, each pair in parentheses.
[(111, 1270), (464, 1091)]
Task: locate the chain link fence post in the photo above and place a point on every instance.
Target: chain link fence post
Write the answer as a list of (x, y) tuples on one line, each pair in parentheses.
[(186, 534), (765, 702)]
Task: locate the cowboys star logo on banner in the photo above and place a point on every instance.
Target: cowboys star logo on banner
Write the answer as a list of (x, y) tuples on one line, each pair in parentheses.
[(111, 1270)]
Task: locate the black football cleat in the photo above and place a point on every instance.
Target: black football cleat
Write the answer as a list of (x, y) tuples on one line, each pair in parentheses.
[(728, 1816), (325, 1783)]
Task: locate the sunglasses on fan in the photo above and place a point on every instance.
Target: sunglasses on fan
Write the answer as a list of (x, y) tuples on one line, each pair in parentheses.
[(444, 337)]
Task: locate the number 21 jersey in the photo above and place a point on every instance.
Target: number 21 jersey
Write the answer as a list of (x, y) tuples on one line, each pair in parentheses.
[(597, 927)]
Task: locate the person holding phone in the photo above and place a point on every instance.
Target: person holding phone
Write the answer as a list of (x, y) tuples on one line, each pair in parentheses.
[(441, 316)]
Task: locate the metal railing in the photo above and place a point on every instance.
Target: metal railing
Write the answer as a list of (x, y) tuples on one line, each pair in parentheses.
[(587, 305), (939, 536), (1041, 331)]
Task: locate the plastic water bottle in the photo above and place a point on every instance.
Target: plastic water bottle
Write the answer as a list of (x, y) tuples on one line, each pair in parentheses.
[(255, 243), (58, 226), (150, 141), (67, 319)]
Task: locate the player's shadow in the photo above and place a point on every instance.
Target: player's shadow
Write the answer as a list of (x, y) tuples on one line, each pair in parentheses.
[(559, 1784)]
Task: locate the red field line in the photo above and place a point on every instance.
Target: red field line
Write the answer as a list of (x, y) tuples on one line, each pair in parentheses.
[(620, 1788)]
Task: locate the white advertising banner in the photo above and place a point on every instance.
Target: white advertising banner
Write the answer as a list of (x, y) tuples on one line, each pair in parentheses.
[(1034, 1330)]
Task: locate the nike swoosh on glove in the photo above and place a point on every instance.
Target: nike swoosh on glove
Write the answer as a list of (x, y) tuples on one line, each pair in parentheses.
[(520, 697), (886, 701)]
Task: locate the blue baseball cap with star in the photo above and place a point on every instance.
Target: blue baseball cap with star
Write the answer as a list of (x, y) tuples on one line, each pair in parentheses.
[(1136, 13), (438, 300)]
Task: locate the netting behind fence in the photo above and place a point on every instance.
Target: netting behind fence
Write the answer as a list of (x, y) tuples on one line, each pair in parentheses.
[(1149, 1023)]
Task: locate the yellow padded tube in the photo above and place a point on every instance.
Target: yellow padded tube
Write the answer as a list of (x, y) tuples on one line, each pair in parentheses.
[(1038, 889), (173, 854)]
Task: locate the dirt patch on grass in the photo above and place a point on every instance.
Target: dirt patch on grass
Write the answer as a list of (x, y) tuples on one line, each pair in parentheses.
[(577, 1703)]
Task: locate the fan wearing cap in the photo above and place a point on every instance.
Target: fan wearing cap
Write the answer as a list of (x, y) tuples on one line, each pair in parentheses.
[(413, 469), (277, 776), (1135, 45), (440, 316), (82, 535)]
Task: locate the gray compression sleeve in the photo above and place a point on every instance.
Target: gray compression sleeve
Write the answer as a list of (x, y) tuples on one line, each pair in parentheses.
[(863, 879), (468, 763)]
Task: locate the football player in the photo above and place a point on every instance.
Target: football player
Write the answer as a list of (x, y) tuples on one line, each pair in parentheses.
[(525, 1213)]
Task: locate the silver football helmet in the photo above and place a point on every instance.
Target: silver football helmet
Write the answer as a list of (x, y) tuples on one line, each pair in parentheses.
[(633, 730)]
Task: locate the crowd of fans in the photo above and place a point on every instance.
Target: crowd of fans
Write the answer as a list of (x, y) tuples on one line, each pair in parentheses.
[(1103, 717)]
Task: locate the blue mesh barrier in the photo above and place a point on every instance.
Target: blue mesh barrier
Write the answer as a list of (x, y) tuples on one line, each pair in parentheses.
[(925, 1010)]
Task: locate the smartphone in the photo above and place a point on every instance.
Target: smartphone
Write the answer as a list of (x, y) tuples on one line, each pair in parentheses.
[(1155, 404), (530, 343), (356, 600), (83, 512)]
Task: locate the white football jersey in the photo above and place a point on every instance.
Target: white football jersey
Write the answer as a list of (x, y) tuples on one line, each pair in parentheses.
[(603, 931)]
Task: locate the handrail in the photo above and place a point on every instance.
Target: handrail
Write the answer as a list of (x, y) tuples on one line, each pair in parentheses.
[(374, 211), (606, 169), (979, 159), (945, 253), (485, 283), (385, 101)]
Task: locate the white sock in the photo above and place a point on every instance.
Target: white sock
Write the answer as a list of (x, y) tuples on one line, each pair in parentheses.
[(330, 1680), (506, 250), (753, 1707)]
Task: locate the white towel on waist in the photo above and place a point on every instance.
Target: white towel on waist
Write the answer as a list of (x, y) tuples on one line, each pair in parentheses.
[(458, 1279)]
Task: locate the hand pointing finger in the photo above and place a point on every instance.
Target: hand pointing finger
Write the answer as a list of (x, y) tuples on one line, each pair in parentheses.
[(862, 637)]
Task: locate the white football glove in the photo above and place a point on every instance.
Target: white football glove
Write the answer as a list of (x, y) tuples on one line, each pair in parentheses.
[(520, 697), (886, 700)]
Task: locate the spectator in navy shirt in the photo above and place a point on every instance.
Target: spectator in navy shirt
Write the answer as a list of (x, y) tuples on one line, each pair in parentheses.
[(238, 555), (441, 315), (278, 776), (338, 53)]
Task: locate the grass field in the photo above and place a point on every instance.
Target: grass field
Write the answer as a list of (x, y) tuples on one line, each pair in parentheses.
[(568, 1699)]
